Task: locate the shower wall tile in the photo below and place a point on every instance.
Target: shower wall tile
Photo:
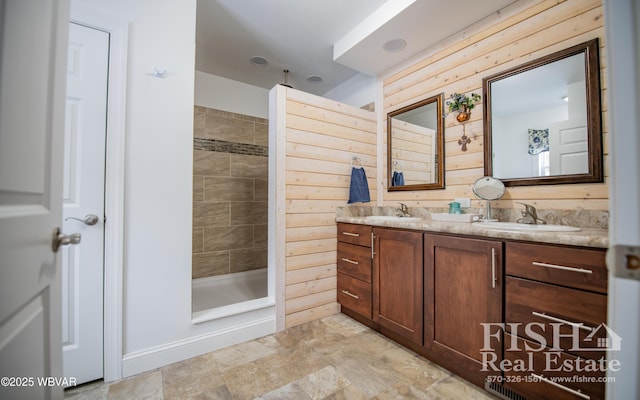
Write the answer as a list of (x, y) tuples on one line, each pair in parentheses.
[(198, 188), (248, 212), (228, 129), (260, 235), (211, 163), (261, 190), (197, 244), (248, 259), (210, 264), (213, 213), (249, 166), (230, 192), (228, 237), (227, 189), (198, 122), (261, 136)]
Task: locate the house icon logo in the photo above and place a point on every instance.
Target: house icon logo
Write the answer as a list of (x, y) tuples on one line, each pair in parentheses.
[(603, 338)]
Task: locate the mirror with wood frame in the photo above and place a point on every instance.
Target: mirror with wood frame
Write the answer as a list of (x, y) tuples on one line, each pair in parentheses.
[(415, 146), (542, 120)]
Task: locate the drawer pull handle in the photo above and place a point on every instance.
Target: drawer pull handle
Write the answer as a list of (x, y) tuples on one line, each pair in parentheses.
[(562, 267), (348, 293), (350, 261), (493, 268), (552, 383), (351, 234), (564, 321)]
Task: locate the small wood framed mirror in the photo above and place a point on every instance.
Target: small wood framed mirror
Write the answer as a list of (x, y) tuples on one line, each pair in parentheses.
[(415, 146)]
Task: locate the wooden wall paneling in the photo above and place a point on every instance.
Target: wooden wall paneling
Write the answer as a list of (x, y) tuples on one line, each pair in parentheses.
[(322, 137), (519, 34)]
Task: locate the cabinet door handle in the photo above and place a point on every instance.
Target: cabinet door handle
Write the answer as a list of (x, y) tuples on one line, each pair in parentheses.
[(373, 252), (350, 261), (351, 234), (348, 293), (493, 268), (566, 389), (564, 321), (562, 267)]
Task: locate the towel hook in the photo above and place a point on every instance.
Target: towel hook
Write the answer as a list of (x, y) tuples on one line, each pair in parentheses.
[(355, 161)]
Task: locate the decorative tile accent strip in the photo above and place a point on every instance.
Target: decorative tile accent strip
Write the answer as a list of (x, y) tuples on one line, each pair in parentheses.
[(223, 146)]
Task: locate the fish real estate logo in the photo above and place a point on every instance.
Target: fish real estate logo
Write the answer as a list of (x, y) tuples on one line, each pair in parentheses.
[(594, 339)]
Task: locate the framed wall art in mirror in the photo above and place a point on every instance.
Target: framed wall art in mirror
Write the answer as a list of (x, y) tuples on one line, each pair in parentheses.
[(415, 146), (542, 120)]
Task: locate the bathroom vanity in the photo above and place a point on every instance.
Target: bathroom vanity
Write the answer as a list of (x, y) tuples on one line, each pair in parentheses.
[(498, 308)]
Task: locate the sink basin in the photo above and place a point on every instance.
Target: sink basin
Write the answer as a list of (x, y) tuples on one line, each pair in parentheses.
[(513, 226), (393, 218)]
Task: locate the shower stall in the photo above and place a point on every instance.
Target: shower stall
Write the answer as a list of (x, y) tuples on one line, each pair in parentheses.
[(230, 207)]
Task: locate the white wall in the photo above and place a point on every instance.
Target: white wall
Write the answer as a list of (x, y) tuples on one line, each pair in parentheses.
[(357, 91), (225, 94), (157, 327), (513, 160)]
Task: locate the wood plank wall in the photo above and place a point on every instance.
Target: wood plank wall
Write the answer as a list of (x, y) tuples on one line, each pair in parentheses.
[(513, 37), (413, 147), (322, 137)]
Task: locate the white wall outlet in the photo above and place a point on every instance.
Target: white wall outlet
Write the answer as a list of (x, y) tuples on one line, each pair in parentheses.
[(465, 202)]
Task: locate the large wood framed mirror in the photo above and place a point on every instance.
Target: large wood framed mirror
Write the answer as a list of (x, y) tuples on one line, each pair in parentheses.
[(415, 146), (542, 120)]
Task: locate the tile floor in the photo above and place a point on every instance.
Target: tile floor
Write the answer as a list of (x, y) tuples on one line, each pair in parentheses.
[(331, 358)]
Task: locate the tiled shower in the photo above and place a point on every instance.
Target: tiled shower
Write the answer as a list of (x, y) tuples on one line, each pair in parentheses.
[(230, 197)]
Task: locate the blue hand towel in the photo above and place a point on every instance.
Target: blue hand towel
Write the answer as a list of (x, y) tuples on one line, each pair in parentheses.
[(397, 179), (359, 188)]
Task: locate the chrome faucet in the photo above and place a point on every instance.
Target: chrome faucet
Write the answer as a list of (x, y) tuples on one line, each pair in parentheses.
[(529, 215), (403, 210)]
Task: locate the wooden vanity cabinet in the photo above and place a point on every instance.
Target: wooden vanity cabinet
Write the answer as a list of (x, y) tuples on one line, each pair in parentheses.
[(397, 283), (463, 286), (354, 284), (561, 289), (433, 293)]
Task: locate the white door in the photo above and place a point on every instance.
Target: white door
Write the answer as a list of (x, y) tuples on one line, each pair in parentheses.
[(568, 147), (83, 203), (33, 43)]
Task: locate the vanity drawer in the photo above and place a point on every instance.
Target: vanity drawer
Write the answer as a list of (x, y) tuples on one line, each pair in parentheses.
[(354, 261), (566, 266), (551, 307), (354, 294), (543, 366), (355, 234)]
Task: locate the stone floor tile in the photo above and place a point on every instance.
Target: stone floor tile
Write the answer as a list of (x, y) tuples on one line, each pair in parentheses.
[(89, 391), (146, 386), (344, 325), (452, 387), (243, 353), (191, 377), (335, 358), (315, 386), (269, 373)]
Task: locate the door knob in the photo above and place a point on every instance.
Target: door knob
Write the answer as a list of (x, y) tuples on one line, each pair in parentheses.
[(89, 219), (60, 239)]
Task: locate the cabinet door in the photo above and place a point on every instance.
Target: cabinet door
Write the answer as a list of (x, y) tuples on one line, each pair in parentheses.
[(397, 282), (463, 285)]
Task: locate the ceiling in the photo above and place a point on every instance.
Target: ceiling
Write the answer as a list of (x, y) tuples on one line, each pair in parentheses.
[(330, 39)]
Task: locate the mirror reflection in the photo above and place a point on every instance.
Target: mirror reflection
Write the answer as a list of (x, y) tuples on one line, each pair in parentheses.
[(415, 146), (542, 120)]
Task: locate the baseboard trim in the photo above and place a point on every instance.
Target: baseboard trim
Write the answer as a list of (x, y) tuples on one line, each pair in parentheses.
[(155, 357)]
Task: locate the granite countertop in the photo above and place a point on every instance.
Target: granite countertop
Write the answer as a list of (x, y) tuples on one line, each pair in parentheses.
[(587, 237)]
